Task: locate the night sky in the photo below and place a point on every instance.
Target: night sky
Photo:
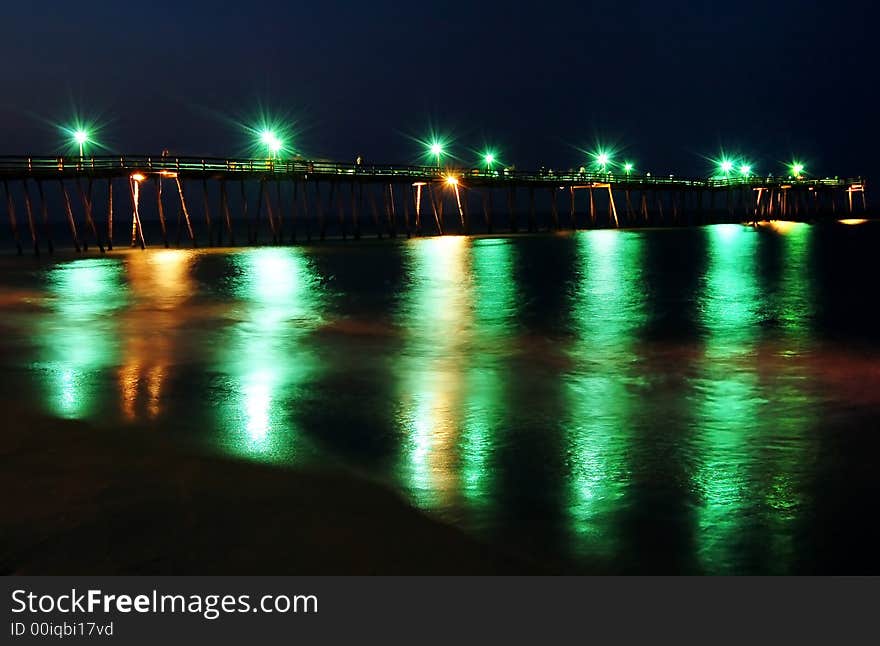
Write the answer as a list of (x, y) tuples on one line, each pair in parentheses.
[(667, 83)]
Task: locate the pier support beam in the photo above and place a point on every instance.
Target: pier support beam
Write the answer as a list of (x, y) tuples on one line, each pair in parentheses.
[(30, 216), (511, 208), (10, 209), (189, 228), (70, 221), (110, 215), (206, 207), (45, 214), (161, 209)]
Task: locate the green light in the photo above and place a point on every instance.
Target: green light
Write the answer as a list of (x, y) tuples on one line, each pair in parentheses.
[(81, 137), (745, 170), (726, 166), (271, 141), (436, 149), (628, 168), (797, 169), (489, 158), (602, 159)]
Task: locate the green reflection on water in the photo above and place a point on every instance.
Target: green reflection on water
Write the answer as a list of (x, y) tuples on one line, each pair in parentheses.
[(78, 337), (486, 406), (728, 392), (436, 316), (754, 403), (608, 312), (266, 359), (458, 316)]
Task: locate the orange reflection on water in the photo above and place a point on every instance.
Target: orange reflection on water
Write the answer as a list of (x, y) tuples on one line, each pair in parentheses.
[(160, 281), (781, 226), (437, 313), (852, 221)]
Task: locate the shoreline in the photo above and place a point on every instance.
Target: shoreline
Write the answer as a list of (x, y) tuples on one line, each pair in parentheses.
[(94, 501)]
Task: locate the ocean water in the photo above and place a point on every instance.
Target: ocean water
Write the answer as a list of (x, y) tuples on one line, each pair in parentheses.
[(700, 400)]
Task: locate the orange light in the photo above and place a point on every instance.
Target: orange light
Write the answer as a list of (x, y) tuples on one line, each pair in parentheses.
[(138, 177), (167, 173), (452, 181), (852, 221)]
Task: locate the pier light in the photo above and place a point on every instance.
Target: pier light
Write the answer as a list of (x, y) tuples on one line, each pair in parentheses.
[(745, 170), (602, 159), (628, 168), (272, 142), (489, 158), (797, 169), (451, 180), (726, 166), (436, 149), (81, 137), (138, 177)]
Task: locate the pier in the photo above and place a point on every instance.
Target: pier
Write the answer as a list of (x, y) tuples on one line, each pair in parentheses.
[(207, 200)]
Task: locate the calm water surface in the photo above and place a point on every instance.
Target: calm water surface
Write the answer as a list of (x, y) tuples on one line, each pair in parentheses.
[(690, 400)]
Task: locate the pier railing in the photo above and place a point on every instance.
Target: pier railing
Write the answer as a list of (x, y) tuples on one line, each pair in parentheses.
[(16, 167)]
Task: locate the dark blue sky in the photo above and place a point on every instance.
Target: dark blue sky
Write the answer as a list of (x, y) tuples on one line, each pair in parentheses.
[(667, 82)]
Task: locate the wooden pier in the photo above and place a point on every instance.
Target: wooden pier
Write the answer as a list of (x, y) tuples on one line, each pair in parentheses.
[(281, 202)]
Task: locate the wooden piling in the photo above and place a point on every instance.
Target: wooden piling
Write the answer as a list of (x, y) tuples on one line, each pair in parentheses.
[(45, 213), (487, 219), (613, 206), (305, 209), (30, 217), (356, 207), (532, 225), (90, 221), (406, 211), (571, 214), (110, 214), (206, 207), (189, 227), (10, 209), (137, 230), (70, 221), (417, 197), (322, 230), (375, 210), (392, 215), (161, 208), (340, 209), (553, 209), (435, 209), (592, 208), (511, 208), (256, 232), (280, 223), (227, 216), (245, 214), (270, 213)]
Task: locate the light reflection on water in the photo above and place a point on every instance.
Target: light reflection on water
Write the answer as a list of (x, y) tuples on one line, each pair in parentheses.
[(607, 311), (263, 358), (627, 400)]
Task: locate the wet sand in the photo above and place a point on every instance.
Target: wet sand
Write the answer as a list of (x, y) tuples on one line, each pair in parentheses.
[(83, 500)]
